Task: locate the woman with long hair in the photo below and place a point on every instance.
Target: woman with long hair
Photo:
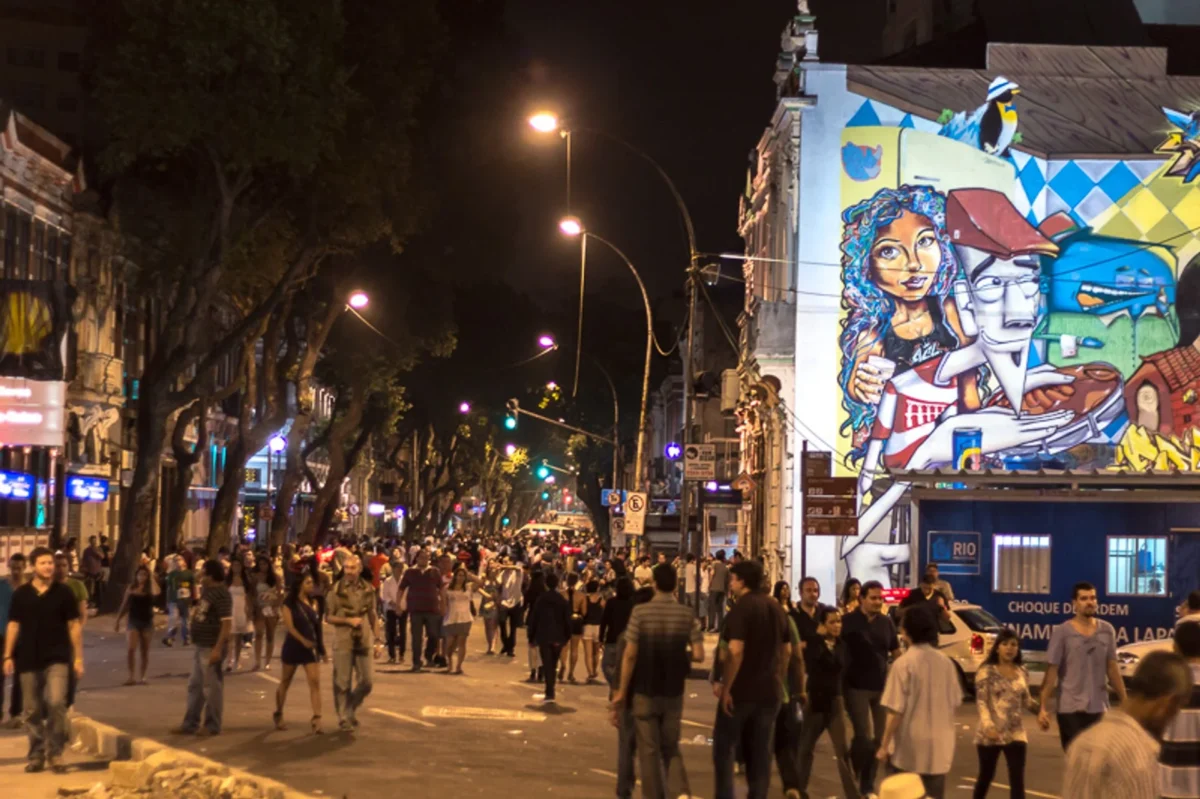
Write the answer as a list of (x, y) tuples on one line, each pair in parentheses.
[(456, 625), (898, 268), (593, 612), (577, 602), (489, 607), (303, 646), (266, 611), (783, 595), (825, 663), (1002, 696), (139, 604), (241, 589), (850, 593), (537, 587)]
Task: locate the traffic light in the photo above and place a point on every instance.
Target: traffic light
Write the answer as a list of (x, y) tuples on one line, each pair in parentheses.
[(504, 522), (510, 419), (542, 472), (545, 496)]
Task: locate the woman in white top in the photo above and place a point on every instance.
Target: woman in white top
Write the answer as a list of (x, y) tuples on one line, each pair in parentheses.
[(1002, 694), (456, 625), (241, 589)]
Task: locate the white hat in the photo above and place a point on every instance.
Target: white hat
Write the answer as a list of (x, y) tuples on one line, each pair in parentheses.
[(999, 86), (902, 786)]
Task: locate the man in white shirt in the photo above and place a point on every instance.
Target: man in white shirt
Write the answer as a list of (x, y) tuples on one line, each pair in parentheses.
[(509, 607), (643, 575), (1118, 755), (395, 619), (920, 696)]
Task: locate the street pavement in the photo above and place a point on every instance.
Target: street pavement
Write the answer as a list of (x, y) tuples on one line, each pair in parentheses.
[(480, 734)]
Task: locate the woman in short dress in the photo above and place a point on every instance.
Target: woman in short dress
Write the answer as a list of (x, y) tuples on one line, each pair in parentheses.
[(139, 605), (456, 625), (489, 608), (266, 611), (592, 614), (303, 647), (241, 589)]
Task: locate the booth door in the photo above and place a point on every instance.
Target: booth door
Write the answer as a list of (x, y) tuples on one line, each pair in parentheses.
[(1183, 564)]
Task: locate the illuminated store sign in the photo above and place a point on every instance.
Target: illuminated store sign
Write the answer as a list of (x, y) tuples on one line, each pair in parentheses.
[(16, 485), (87, 489), (31, 412)]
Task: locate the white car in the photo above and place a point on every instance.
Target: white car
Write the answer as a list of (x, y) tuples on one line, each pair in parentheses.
[(1130, 655), (966, 638)]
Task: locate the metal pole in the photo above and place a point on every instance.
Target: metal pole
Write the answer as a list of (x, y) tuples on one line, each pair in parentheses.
[(685, 493), (579, 330), (803, 499), (567, 136)]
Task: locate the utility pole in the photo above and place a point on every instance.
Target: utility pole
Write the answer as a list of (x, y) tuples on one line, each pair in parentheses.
[(685, 489)]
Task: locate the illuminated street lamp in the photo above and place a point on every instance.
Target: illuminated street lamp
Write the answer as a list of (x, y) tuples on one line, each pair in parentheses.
[(277, 443), (359, 300), (464, 407), (570, 226), (544, 122), (547, 342), (552, 386), (510, 449)]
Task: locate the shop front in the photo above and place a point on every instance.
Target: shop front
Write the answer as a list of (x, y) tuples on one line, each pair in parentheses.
[(1019, 551)]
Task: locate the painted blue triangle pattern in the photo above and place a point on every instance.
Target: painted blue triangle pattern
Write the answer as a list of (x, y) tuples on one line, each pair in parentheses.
[(907, 122), (865, 116)]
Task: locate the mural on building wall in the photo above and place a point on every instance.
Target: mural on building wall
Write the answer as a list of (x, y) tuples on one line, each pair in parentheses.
[(1004, 311)]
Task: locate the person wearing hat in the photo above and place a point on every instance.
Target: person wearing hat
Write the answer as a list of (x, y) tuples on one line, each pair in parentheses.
[(902, 786), (998, 295)]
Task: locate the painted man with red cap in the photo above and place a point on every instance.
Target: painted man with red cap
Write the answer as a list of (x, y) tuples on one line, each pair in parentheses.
[(998, 295)]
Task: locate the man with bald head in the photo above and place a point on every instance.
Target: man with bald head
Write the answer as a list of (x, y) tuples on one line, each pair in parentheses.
[(352, 613)]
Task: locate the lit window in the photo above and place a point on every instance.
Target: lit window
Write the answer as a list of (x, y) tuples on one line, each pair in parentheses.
[(1137, 566), (1021, 564)]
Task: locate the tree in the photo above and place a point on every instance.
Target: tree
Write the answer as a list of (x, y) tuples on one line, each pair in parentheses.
[(261, 132)]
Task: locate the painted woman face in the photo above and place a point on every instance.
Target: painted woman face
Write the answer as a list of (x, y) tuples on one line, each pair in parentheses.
[(905, 257)]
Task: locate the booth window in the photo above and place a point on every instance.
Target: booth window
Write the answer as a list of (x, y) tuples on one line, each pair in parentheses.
[(1021, 564), (1137, 566)]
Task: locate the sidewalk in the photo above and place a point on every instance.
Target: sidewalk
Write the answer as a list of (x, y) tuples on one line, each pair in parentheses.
[(83, 771)]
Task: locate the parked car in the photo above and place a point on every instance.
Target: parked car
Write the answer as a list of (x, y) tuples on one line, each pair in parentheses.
[(1130, 655), (965, 637)]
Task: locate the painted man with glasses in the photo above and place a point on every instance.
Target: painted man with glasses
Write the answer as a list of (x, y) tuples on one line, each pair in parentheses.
[(998, 294)]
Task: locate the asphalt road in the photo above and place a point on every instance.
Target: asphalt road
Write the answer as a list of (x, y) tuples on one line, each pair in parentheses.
[(482, 734)]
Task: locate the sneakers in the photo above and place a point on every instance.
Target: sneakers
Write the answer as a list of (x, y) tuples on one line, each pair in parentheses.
[(34, 766)]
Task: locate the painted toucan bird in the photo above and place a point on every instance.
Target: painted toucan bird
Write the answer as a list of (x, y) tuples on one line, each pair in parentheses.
[(992, 127)]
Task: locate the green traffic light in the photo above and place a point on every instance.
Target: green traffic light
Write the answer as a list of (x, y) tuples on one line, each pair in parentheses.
[(505, 521), (545, 495), (510, 423), (543, 472)]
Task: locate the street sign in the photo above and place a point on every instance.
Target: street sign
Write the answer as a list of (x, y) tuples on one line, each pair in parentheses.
[(617, 525), (635, 514), (817, 464), (700, 462), (611, 497), (954, 552), (267, 514), (353, 509), (831, 505), (744, 483)]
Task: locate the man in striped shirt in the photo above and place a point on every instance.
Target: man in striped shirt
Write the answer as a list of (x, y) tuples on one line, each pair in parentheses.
[(1118, 755), (1179, 769)]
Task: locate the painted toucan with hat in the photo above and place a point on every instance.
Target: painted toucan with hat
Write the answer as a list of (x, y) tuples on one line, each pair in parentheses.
[(991, 127)]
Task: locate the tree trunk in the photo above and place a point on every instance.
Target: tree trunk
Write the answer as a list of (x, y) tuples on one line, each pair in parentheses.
[(139, 501), (186, 459), (220, 524), (293, 476)]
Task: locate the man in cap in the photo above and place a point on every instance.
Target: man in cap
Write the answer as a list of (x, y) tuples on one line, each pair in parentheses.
[(998, 293)]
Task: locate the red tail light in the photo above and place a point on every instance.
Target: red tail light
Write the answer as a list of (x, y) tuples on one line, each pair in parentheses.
[(977, 644)]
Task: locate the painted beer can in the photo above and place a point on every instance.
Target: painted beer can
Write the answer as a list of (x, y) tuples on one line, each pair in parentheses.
[(968, 450)]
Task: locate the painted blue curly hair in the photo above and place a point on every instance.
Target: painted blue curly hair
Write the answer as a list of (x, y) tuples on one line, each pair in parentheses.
[(870, 309)]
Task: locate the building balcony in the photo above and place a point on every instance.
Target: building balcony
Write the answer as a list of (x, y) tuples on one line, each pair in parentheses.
[(99, 374)]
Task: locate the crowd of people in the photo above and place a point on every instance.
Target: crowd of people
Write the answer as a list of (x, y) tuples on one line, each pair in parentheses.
[(784, 673)]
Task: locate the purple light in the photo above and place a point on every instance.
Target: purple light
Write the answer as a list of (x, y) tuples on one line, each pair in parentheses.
[(546, 342), (277, 443), (464, 407), (710, 486), (673, 451)]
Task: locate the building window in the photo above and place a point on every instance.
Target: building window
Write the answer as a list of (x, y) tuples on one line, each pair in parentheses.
[(26, 57), (1021, 564), (68, 62), (1137, 566)]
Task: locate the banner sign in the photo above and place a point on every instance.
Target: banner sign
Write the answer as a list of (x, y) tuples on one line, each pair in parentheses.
[(31, 412), (86, 489), (34, 317)]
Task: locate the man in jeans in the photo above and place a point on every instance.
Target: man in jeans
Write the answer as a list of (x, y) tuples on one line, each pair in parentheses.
[(422, 586), (352, 612), (759, 652), (653, 669), (509, 607), (1082, 661), (8, 586), (43, 642), (871, 641), (212, 623), (718, 584)]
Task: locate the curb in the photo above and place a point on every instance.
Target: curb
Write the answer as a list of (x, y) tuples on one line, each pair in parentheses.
[(135, 761)]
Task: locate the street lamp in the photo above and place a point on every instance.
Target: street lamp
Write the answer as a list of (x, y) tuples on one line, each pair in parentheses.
[(275, 444), (510, 450), (547, 342), (544, 122), (359, 300), (464, 407), (566, 227)]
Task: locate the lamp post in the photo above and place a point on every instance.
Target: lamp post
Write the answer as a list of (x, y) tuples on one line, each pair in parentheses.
[(275, 445), (571, 226), (547, 122)]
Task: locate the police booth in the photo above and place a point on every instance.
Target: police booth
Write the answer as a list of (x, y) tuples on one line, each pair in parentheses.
[(1017, 542)]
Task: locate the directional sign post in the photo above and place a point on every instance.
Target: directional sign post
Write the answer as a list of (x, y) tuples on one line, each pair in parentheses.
[(635, 514)]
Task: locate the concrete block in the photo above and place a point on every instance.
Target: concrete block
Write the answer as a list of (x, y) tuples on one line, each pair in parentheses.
[(124, 774), (111, 743), (142, 748)]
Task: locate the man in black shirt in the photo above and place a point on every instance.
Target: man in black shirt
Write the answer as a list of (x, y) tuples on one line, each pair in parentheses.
[(42, 643), (805, 613), (870, 640), (760, 649)]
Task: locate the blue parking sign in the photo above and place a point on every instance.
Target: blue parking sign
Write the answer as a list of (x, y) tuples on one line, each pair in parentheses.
[(955, 553)]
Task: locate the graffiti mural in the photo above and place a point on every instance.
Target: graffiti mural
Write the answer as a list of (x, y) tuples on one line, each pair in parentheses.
[(1005, 311)]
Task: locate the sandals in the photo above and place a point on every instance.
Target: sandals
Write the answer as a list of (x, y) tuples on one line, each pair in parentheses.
[(278, 718), (316, 726)]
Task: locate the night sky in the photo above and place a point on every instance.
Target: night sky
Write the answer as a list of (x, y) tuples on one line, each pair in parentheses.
[(688, 81)]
